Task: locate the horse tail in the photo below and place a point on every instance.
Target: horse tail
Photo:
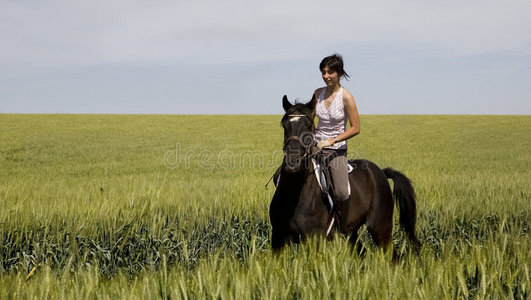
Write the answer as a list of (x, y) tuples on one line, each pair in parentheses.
[(404, 195)]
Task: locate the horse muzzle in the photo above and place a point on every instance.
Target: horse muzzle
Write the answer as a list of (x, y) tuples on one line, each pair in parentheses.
[(295, 153)]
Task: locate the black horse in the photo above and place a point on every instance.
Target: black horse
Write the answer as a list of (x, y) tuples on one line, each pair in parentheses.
[(298, 208)]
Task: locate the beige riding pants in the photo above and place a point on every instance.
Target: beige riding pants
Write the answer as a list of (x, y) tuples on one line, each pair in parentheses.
[(339, 172)]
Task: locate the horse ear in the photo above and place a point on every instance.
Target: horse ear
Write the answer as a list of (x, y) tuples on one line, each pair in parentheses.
[(285, 103), (311, 105)]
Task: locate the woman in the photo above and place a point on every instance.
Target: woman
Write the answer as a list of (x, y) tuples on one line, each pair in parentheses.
[(335, 105)]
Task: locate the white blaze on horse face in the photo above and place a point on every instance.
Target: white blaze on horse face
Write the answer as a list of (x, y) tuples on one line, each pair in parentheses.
[(294, 119)]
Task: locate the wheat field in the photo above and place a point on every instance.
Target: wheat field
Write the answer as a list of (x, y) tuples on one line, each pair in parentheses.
[(175, 206)]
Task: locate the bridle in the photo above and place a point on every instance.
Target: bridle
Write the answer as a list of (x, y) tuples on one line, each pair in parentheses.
[(307, 146)]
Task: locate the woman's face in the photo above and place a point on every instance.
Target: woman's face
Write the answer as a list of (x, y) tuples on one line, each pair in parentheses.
[(330, 77)]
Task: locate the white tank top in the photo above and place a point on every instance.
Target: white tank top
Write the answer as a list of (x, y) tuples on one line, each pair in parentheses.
[(332, 121)]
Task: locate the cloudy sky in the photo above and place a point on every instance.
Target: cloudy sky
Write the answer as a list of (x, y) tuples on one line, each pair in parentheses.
[(241, 57)]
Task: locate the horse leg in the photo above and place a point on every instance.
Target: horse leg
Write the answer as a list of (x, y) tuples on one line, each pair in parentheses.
[(380, 219), (380, 224), (353, 240), (381, 232), (278, 239)]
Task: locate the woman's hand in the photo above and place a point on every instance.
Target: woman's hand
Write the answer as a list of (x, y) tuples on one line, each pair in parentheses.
[(325, 143)]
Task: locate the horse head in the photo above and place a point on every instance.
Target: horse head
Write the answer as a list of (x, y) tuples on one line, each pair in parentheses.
[(298, 134)]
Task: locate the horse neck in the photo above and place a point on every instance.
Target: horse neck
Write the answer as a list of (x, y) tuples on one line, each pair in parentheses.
[(300, 194), (292, 183)]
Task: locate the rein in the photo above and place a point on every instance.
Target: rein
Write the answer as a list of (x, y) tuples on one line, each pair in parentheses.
[(307, 154)]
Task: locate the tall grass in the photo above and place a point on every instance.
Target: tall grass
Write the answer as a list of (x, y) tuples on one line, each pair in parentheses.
[(139, 206)]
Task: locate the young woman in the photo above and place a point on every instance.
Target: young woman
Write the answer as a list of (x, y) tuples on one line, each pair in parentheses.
[(335, 106)]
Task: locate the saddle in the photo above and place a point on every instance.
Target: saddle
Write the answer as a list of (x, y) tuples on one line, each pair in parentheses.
[(322, 173)]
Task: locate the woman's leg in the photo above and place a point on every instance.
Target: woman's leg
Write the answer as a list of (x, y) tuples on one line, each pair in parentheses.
[(340, 183)]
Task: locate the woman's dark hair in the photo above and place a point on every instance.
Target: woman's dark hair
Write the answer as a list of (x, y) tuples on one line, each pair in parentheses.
[(335, 63)]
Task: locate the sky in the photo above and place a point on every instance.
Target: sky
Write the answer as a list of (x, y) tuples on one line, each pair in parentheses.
[(241, 57)]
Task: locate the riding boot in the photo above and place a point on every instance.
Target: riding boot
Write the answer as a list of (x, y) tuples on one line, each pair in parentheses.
[(342, 211)]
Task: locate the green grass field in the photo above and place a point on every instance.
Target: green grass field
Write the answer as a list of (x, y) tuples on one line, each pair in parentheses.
[(160, 206)]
